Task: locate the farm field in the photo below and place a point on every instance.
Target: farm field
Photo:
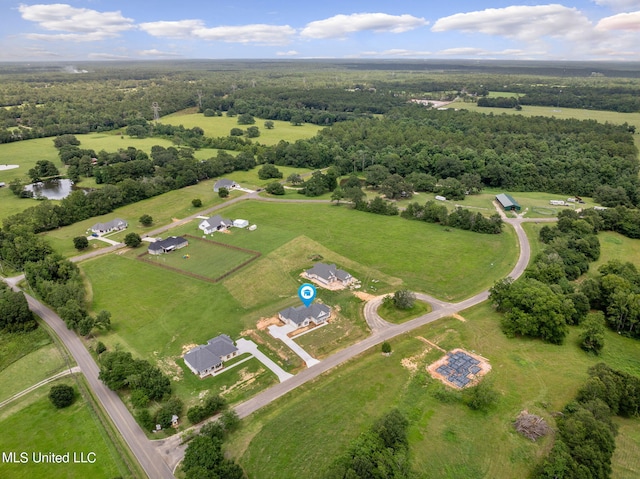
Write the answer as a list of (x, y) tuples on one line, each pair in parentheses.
[(215, 126), (73, 429), (443, 437)]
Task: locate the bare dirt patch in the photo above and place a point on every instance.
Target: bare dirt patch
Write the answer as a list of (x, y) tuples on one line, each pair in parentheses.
[(187, 347), (457, 316), (264, 323), (363, 296), (246, 379), (169, 367)]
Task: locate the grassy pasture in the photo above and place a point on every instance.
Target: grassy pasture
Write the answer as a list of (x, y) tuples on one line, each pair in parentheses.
[(215, 126), (448, 264), (73, 429), (392, 314), (203, 258), (445, 440)]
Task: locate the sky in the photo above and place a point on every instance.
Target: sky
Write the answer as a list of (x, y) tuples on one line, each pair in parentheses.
[(94, 30)]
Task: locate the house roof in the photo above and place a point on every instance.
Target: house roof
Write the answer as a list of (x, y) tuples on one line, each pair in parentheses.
[(206, 356), (216, 221), (300, 313), (507, 201), (167, 243), (224, 183), (328, 272), (109, 225)]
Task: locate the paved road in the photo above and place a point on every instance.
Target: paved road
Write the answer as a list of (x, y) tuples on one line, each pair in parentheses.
[(141, 447)]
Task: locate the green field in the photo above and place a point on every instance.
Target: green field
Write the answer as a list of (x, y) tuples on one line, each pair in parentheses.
[(215, 126), (73, 429), (447, 440), (451, 265), (203, 258)]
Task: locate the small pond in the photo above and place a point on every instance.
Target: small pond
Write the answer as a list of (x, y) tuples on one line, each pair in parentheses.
[(51, 189)]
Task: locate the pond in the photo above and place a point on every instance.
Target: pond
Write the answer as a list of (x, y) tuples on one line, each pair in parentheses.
[(51, 189)]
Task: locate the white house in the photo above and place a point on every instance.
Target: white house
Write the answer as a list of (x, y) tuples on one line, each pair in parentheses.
[(225, 183), (329, 274), (302, 316), (209, 358), (113, 225), (215, 223)]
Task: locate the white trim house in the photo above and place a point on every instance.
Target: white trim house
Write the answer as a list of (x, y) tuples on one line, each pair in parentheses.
[(209, 358)]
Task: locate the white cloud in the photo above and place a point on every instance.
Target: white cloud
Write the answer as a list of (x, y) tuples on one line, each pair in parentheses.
[(619, 5), (154, 52), (82, 24), (622, 21), (258, 33), (522, 22), (468, 52), (340, 25), (108, 56), (397, 52), (290, 53), (177, 29)]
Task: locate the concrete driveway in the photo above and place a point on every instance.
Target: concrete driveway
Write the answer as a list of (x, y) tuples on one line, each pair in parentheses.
[(280, 332), (247, 346)]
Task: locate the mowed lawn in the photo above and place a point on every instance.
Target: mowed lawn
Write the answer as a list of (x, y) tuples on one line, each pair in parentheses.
[(35, 426), (448, 441), (215, 126), (202, 257)]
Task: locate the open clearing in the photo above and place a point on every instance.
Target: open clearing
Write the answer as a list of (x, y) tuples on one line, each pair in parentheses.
[(215, 126)]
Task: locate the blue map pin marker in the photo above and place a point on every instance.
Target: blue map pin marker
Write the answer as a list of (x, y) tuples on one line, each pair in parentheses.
[(307, 293)]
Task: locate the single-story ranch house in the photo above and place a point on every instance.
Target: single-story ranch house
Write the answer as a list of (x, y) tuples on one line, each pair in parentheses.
[(167, 245), (329, 274), (209, 358), (224, 183), (215, 223), (113, 225), (302, 316)]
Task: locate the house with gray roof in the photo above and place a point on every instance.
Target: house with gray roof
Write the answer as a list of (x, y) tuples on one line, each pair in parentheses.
[(225, 183), (215, 223), (113, 225), (329, 274), (209, 358), (302, 316), (167, 245)]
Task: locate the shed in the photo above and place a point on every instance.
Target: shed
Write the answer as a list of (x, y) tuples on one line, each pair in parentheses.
[(240, 223), (507, 202)]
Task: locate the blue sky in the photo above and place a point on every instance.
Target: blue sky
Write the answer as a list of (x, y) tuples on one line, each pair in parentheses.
[(493, 29)]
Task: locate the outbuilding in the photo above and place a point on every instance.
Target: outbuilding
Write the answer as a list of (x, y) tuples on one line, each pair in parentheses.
[(507, 202)]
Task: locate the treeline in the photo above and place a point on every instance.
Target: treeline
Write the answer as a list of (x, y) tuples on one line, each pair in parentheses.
[(544, 302), (499, 102), (507, 151), (15, 315), (461, 218), (380, 452), (620, 99), (585, 440), (321, 106)]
